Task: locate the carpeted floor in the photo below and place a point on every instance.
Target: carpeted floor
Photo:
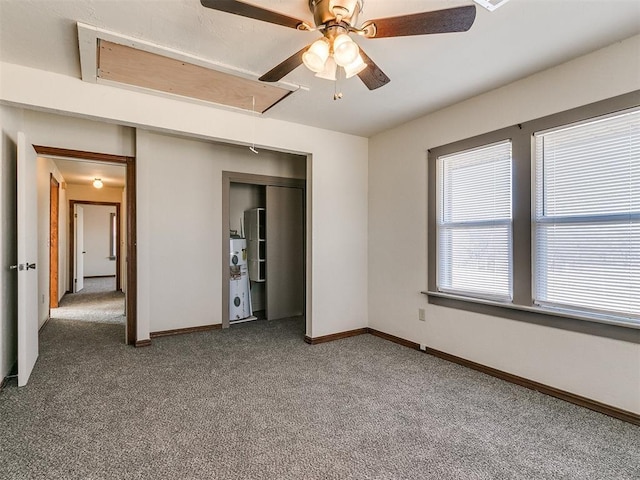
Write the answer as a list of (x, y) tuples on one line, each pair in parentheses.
[(98, 301), (256, 402)]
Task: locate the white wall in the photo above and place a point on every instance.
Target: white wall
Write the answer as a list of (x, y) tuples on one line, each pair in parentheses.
[(97, 241), (599, 368)]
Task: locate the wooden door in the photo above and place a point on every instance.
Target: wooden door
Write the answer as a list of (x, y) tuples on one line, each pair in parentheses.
[(54, 207)]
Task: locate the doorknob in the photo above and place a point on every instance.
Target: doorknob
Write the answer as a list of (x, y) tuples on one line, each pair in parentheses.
[(31, 266), (13, 267)]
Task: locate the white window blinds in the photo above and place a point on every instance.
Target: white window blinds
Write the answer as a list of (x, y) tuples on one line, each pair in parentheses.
[(587, 217), (475, 222)]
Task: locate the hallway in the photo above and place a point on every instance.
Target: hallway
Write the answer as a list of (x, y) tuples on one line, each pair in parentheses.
[(98, 302)]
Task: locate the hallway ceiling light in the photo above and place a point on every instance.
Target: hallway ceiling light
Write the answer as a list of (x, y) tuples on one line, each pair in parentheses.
[(97, 183)]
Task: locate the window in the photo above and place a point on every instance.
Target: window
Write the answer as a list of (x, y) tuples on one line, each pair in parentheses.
[(587, 217), (544, 227), (474, 222)]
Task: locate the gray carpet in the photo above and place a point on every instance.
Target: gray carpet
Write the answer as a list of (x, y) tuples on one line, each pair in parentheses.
[(256, 402), (98, 301)]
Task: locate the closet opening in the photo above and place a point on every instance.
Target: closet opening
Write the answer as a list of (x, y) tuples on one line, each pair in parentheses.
[(264, 248)]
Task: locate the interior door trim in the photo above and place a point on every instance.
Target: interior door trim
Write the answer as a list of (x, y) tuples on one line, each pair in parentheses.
[(252, 179), (72, 238), (131, 227)]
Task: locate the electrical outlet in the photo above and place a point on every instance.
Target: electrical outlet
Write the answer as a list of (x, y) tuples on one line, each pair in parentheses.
[(421, 315)]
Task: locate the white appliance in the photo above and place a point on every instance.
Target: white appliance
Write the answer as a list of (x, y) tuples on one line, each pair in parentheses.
[(239, 293)]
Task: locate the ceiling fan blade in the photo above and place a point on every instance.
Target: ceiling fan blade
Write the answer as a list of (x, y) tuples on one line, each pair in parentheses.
[(251, 11), (284, 68), (457, 19), (372, 76)]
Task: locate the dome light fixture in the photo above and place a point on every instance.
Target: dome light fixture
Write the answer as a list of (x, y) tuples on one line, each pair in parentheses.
[(97, 183)]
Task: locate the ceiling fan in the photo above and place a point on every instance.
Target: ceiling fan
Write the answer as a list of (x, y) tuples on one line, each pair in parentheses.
[(336, 20)]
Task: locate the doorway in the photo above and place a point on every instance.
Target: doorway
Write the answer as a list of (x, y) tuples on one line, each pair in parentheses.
[(54, 208), (279, 288), (129, 257), (97, 224)]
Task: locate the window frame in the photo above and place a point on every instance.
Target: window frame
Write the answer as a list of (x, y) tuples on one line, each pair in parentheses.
[(522, 307), (476, 223), (540, 219)]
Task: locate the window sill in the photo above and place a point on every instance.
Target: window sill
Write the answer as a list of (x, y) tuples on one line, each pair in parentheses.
[(611, 328)]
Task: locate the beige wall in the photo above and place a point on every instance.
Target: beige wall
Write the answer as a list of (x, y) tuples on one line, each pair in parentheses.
[(88, 193), (599, 368), (181, 244), (243, 197), (336, 169)]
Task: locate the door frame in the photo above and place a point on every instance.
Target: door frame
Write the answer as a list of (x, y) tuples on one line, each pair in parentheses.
[(54, 236), (263, 180), (131, 225), (72, 238)]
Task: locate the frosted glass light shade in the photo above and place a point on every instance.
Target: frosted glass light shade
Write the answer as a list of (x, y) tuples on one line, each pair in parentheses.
[(315, 58), (330, 69), (355, 67), (345, 50), (97, 183)]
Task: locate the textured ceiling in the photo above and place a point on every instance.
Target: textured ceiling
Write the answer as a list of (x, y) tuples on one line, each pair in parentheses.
[(427, 72)]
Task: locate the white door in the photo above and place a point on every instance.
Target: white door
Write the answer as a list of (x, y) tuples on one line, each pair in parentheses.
[(27, 256), (78, 274)]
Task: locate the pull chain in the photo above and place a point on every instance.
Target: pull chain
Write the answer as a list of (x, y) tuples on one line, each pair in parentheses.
[(337, 95)]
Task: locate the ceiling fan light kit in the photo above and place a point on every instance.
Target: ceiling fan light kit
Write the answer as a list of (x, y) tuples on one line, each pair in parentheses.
[(355, 67), (345, 50), (316, 56), (330, 70), (336, 20)]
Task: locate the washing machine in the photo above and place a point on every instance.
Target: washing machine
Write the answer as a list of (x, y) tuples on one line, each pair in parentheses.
[(239, 292)]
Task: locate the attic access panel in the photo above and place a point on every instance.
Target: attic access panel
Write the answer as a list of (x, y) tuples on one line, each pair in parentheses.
[(131, 66)]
